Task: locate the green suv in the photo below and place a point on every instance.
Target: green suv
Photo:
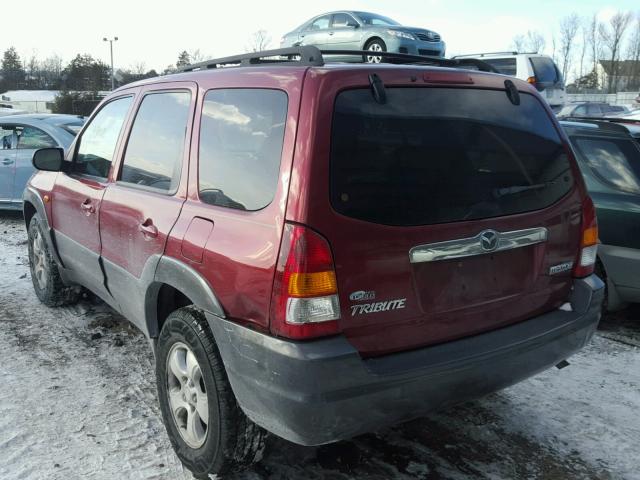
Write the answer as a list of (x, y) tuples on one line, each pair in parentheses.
[(610, 162)]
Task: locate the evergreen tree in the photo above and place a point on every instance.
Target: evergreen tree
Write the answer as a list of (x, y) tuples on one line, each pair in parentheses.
[(13, 74), (184, 59)]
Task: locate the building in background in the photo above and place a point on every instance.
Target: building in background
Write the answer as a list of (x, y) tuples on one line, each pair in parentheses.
[(626, 75)]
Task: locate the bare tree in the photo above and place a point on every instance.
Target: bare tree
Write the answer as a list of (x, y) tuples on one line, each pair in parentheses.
[(197, 56), (584, 44), (612, 38), (518, 43), (554, 47), (633, 53), (535, 41), (259, 40), (568, 30), (138, 68), (595, 45)]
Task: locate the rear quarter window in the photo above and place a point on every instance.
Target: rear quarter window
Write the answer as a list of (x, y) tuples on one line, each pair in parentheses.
[(241, 137), (506, 66), (616, 162), (437, 155)]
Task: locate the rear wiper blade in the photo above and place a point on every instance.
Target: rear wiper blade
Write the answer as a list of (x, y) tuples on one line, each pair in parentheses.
[(501, 192)]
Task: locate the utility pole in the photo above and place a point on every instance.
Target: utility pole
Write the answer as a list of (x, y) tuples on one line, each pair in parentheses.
[(111, 40)]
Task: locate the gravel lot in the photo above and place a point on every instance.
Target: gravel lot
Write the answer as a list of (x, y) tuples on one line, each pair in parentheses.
[(78, 401)]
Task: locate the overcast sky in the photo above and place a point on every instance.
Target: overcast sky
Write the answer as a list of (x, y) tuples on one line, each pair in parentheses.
[(154, 32)]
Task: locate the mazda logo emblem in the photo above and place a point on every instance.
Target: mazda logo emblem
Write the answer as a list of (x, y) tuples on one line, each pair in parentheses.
[(489, 240)]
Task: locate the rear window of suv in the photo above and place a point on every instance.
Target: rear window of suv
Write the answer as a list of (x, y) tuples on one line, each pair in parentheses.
[(437, 155), (545, 70)]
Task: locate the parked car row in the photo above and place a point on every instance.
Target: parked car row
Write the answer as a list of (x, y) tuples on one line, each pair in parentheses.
[(229, 229)]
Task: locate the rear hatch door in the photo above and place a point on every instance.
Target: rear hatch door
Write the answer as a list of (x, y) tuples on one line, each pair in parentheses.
[(453, 211)]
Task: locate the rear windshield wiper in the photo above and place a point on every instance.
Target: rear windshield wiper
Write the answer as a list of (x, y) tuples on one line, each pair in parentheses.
[(515, 189)]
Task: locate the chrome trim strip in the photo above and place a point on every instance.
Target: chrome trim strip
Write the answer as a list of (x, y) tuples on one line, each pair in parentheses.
[(487, 241)]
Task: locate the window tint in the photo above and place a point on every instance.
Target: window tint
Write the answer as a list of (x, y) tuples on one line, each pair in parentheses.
[(7, 137), (98, 141), (33, 138), (241, 137), (435, 155), (506, 66), (156, 144), (581, 110), (545, 70), (594, 109), (342, 20), (615, 161), (321, 23)]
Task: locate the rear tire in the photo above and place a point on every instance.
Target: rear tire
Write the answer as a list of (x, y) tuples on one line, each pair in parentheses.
[(45, 276), (195, 396), (375, 45)]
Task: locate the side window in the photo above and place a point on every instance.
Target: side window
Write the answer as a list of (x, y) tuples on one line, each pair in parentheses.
[(156, 144), (241, 137), (342, 20), (616, 162), (98, 142), (321, 23), (581, 110), (593, 109), (506, 66), (7, 137), (30, 138)]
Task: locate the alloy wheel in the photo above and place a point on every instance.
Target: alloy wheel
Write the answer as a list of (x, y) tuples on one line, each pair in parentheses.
[(374, 47), (38, 261), (187, 395)]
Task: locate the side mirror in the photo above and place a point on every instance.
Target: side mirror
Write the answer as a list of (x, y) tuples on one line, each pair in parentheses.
[(352, 24), (48, 159)]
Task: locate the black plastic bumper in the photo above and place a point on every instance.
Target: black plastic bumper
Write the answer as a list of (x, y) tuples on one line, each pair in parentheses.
[(323, 391)]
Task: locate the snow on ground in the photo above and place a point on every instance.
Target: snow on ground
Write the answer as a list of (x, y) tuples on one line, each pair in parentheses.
[(78, 401)]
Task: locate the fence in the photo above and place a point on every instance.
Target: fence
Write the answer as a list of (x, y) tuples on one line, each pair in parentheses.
[(620, 98)]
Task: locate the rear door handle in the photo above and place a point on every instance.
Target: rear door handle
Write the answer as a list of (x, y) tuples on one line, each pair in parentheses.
[(148, 229), (87, 207), (7, 161)]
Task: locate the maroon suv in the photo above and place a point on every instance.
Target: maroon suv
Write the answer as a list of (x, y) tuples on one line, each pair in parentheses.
[(319, 250)]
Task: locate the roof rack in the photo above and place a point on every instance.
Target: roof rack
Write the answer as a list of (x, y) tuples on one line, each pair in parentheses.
[(313, 56), (483, 54)]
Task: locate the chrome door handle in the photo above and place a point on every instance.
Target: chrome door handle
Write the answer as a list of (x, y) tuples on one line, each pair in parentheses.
[(7, 161)]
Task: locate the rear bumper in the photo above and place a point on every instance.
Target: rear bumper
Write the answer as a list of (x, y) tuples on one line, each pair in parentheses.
[(319, 392)]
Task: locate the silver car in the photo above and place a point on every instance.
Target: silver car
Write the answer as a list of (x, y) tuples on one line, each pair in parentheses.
[(20, 137), (348, 30)]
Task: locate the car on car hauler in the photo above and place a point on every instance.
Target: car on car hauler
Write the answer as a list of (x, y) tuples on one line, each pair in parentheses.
[(320, 250)]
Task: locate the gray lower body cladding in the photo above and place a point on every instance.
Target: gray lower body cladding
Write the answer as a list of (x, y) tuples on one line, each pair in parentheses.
[(322, 391)]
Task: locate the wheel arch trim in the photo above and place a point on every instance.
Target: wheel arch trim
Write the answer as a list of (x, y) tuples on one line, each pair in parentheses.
[(186, 280), (32, 196)]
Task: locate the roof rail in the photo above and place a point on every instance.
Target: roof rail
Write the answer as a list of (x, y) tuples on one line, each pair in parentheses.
[(482, 54), (307, 55), (312, 56), (404, 58)]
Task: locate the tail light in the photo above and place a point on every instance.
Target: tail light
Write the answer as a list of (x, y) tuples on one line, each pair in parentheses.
[(305, 295), (588, 242)]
